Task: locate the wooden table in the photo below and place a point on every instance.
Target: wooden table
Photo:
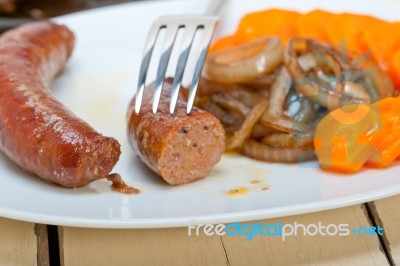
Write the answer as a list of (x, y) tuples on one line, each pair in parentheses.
[(23, 243)]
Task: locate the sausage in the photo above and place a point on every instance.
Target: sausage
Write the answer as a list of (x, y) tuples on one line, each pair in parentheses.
[(180, 148), (36, 131)]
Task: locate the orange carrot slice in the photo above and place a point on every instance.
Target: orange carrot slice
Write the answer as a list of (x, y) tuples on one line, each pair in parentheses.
[(346, 30), (383, 41), (268, 22), (223, 43), (394, 69), (314, 24), (349, 144), (387, 137), (344, 148)]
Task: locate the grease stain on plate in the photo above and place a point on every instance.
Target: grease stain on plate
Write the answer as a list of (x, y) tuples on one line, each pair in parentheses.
[(96, 99), (246, 177), (234, 166), (237, 192), (259, 185)]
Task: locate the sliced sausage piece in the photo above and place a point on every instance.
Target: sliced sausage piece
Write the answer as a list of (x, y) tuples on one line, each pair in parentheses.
[(180, 148), (36, 131)]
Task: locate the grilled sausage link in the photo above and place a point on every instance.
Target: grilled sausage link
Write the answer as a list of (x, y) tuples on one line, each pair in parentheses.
[(180, 148), (36, 131)]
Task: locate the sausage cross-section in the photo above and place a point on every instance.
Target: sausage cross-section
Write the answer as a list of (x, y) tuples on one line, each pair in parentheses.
[(179, 147), (36, 131)]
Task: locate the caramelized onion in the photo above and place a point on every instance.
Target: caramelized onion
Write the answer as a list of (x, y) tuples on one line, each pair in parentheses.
[(305, 111), (260, 131), (231, 121), (301, 84), (380, 80), (342, 94), (274, 116), (261, 83), (251, 120), (324, 59), (264, 152), (285, 140), (248, 98), (283, 123), (278, 95), (245, 62), (207, 87), (231, 104)]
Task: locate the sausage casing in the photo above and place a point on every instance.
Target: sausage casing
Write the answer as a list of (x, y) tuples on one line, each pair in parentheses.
[(180, 148), (36, 131)]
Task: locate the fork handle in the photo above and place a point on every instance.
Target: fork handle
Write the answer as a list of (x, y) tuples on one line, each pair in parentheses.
[(215, 7)]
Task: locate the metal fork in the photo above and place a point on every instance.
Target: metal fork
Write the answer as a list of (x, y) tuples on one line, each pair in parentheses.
[(172, 24)]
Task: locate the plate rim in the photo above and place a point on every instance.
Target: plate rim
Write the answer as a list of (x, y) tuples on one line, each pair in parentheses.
[(183, 221)]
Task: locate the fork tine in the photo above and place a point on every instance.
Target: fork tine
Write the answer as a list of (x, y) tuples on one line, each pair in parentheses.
[(163, 64), (148, 51), (208, 30), (180, 68)]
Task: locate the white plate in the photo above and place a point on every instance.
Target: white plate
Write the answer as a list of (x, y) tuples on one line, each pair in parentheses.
[(97, 85)]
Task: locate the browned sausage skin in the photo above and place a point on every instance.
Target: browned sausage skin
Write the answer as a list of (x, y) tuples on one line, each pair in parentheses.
[(180, 148), (36, 131)]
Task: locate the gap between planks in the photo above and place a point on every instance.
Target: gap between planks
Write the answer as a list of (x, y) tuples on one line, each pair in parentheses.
[(23, 243), (387, 215), (173, 246)]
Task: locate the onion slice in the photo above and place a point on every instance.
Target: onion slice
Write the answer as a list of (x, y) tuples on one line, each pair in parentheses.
[(285, 140), (324, 58), (260, 151), (246, 62), (251, 120), (231, 104), (275, 116)]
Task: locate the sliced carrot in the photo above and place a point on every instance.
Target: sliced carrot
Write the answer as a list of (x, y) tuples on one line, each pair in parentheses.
[(314, 24), (383, 41), (359, 33), (386, 138), (223, 43), (349, 144), (394, 69), (346, 30), (268, 22), (344, 149)]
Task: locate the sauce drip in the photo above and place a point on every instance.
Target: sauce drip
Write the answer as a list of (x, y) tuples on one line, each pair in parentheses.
[(119, 185), (237, 192)]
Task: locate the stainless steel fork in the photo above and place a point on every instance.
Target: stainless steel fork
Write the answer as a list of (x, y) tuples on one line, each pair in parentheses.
[(172, 24)]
